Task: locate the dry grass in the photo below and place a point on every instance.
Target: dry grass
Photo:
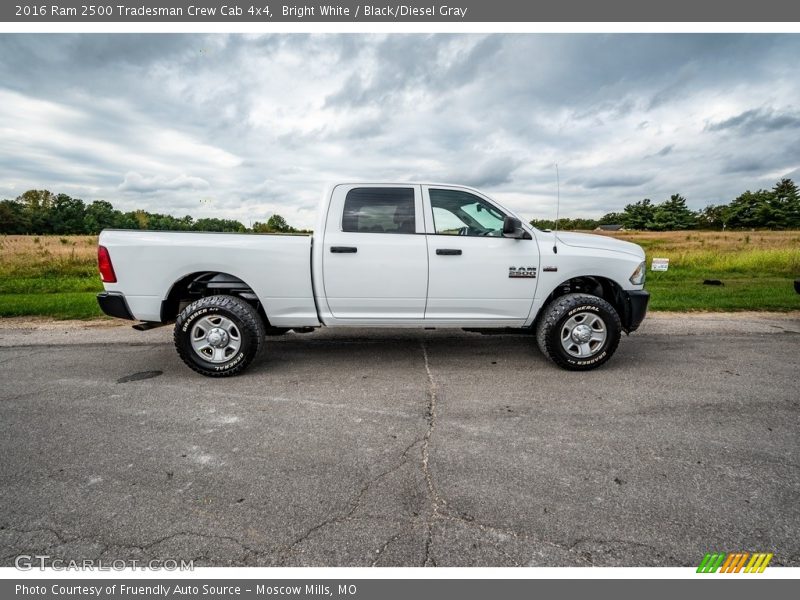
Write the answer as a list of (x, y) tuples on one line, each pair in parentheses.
[(757, 253), (727, 241), (23, 254)]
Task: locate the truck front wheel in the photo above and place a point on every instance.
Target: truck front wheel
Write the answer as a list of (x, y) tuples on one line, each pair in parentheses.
[(219, 336), (578, 332)]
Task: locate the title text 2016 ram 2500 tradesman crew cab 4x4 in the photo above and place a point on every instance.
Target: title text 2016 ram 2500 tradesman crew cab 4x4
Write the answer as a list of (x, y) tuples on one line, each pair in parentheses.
[(382, 255)]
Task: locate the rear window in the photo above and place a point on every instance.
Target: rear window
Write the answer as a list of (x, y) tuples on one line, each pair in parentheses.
[(379, 210)]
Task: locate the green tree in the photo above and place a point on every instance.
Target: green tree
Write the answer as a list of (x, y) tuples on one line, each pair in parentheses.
[(37, 205), (37, 199), (713, 216), (142, 219), (227, 225), (612, 218), (745, 210), (672, 214), (638, 214), (128, 220), (579, 224), (542, 224), (785, 202), (161, 222), (278, 223), (66, 215), (101, 215), (275, 224), (13, 219)]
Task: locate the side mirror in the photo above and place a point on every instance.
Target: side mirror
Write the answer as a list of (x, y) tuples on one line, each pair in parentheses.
[(512, 227)]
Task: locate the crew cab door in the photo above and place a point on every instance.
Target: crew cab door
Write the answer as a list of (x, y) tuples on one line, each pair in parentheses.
[(375, 257), (476, 274)]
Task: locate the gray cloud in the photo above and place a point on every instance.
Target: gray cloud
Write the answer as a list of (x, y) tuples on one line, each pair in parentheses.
[(759, 120), (617, 181), (258, 124), (745, 164), (665, 150)]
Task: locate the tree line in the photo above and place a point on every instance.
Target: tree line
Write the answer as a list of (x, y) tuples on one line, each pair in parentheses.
[(42, 212), (778, 208)]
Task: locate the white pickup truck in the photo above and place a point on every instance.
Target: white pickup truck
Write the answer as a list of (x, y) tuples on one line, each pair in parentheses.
[(383, 255)]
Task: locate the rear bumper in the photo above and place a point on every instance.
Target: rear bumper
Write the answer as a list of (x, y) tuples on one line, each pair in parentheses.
[(635, 309), (114, 305)]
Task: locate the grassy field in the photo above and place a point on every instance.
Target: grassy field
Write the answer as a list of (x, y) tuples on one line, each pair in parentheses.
[(757, 269), (57, 276), (50, 276)]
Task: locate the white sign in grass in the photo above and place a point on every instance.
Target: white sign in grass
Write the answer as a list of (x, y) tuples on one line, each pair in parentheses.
[(659, 264)]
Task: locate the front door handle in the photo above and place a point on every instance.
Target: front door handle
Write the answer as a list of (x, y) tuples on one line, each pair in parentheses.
[(448, 252), (344, 249)]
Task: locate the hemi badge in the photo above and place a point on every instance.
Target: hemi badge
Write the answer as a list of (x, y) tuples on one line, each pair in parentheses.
[(550, 269)]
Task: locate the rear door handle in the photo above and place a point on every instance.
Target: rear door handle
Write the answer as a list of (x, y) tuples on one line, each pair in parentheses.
[(448, 252), (344, 249)]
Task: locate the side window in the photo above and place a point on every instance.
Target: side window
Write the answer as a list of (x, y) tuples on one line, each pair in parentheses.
[(461, 213), (379, 210)]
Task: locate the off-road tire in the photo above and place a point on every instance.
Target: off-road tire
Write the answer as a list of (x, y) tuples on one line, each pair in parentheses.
[(247, 320), (555, 315)]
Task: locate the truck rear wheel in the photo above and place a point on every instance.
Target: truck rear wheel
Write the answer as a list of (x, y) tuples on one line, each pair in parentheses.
[(578, 332), (219, 336)]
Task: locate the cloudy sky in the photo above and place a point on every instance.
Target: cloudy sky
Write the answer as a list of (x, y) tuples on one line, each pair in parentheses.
[(242, 126)]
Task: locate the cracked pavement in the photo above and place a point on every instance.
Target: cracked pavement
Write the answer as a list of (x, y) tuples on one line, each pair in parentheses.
[(403, 448)]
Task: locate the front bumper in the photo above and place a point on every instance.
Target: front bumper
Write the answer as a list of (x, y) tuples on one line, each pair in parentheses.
[(114, 305), (635, 308)]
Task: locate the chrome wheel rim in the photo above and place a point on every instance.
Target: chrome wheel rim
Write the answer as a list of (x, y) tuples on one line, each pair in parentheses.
[(215, 338), (583, 334)]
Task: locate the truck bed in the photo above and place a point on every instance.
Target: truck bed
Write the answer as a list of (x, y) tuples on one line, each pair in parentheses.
[(277, 267)]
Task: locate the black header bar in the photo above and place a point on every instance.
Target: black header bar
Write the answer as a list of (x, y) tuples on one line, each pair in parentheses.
[(257, 11)]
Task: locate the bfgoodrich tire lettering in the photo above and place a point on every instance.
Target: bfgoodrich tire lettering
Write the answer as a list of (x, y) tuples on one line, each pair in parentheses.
[(244, 320), (560, 315)]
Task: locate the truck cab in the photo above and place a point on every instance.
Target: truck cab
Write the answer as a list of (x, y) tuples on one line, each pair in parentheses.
[(431, 255)]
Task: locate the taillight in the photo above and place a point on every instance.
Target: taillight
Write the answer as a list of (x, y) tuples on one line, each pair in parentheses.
[(104, 263)]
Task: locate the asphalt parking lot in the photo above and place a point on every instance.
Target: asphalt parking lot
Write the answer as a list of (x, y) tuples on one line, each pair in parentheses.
[(395, 447)]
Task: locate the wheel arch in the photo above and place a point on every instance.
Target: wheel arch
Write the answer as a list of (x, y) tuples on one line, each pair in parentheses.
[(596, 285), (199, 284)]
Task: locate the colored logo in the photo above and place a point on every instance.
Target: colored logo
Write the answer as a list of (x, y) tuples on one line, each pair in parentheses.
[(734, 562)]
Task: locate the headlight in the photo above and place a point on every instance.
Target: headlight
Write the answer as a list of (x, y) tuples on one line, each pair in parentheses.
[(637, 278)]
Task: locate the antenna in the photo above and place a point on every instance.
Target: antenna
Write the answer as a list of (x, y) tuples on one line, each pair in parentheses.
[(558, 208)]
